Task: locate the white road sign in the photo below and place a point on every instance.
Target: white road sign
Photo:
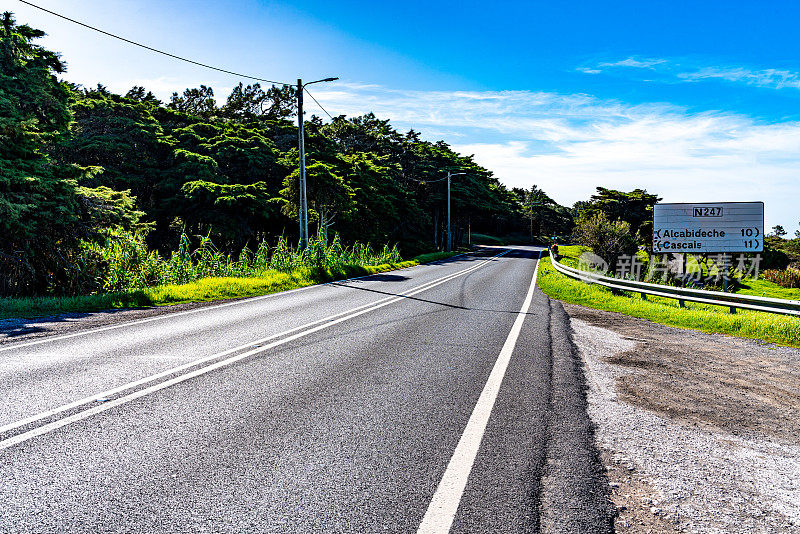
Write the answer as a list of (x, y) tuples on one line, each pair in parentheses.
[(708, 227)]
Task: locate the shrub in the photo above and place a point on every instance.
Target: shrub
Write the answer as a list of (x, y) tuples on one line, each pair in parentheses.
[(607, 239)]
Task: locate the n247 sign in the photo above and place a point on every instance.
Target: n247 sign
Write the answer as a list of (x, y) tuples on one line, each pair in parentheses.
[(708, 227)]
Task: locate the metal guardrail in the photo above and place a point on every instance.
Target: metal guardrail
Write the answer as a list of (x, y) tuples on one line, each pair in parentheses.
[(681, 294)]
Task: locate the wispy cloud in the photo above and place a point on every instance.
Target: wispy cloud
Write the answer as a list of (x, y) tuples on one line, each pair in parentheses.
[(672, 71), (635, 63), (569, 144), (774, 78)]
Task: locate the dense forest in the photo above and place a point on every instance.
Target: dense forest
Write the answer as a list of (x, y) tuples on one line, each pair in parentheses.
[(78, 162)]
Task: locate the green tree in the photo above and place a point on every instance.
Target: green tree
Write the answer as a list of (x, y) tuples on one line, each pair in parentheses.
[(140, 94), (634, 207), (232, 214), (251, 102), (548, 218), (43, 213), (198, 102), (329, 196)]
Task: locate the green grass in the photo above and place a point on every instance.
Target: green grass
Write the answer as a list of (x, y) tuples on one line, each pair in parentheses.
[(203, 290), (571, 253), (773, 328), (484, 239), (765, 288)]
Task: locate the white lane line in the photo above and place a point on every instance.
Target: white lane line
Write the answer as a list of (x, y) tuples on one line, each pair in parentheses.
[(330, 321), (444, 504), (110, 393), (12, 346), (179, 368)]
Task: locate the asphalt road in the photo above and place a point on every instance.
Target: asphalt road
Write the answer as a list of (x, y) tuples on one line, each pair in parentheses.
[(444, 396)]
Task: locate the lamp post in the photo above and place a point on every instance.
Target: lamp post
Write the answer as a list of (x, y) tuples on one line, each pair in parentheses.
[(449, 235), (301, 142)]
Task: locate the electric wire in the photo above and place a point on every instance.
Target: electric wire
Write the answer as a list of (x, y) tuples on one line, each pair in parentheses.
[(317, 101), (155, 49)]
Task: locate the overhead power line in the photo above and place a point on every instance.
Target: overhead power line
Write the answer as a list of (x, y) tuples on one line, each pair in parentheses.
[(317, 101), (155, 49)]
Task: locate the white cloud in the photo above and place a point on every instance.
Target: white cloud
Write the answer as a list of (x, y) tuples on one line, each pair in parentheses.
[(689, 71), (774, 78), (569, 144), (635, 63)]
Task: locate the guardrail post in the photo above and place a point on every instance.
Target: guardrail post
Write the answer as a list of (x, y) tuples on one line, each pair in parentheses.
[(681, 303), (725, 274), (644, 296), (733, 310)]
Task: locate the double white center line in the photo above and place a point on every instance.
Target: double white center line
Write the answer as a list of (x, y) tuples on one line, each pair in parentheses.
[(261, 345)]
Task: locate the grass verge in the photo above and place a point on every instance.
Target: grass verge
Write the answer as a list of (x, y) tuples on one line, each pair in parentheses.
[(769, 327), (204, 290)]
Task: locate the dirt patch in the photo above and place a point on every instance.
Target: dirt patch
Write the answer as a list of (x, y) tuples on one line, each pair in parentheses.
[(741, 386), (638, 510)]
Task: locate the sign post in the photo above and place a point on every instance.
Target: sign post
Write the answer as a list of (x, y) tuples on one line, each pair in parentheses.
[(709, 227)]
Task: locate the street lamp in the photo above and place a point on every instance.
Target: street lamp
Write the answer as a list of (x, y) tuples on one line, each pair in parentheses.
[(302, 156), (449, 238)]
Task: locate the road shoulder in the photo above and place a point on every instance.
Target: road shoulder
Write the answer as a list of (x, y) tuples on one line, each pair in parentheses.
[(698, 431)]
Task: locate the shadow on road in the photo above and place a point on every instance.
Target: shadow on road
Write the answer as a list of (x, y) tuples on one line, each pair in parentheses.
[(513, 253), (454, 306), (15, 327)]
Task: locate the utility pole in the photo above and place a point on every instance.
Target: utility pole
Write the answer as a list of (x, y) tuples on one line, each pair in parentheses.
[(531, 219), (302, 154), (449, 240), (301, 142)]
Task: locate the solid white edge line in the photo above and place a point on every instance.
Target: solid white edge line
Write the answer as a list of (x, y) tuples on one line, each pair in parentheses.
[(443, 506), (19, 438), (12, 345)]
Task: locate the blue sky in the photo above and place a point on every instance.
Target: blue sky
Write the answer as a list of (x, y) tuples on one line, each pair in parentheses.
[(695, 101)]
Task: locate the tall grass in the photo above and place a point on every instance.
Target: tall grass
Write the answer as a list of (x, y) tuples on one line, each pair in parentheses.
[(124, 262), (268, 281), (789, 278)]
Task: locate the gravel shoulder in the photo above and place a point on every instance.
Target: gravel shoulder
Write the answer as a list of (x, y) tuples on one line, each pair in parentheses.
[(698, 432)]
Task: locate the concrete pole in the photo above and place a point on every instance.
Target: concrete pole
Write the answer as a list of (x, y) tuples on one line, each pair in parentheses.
[(302, 156), (449, 241), (531, 220)]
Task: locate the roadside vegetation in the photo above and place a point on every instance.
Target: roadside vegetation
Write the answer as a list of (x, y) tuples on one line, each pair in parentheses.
[(763, 286), (772, 328), (283, 275)]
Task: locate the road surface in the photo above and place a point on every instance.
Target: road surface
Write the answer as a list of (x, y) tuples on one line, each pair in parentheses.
[(444, 397)]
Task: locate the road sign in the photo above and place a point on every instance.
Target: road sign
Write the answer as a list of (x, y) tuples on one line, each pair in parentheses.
[(708, 227)]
